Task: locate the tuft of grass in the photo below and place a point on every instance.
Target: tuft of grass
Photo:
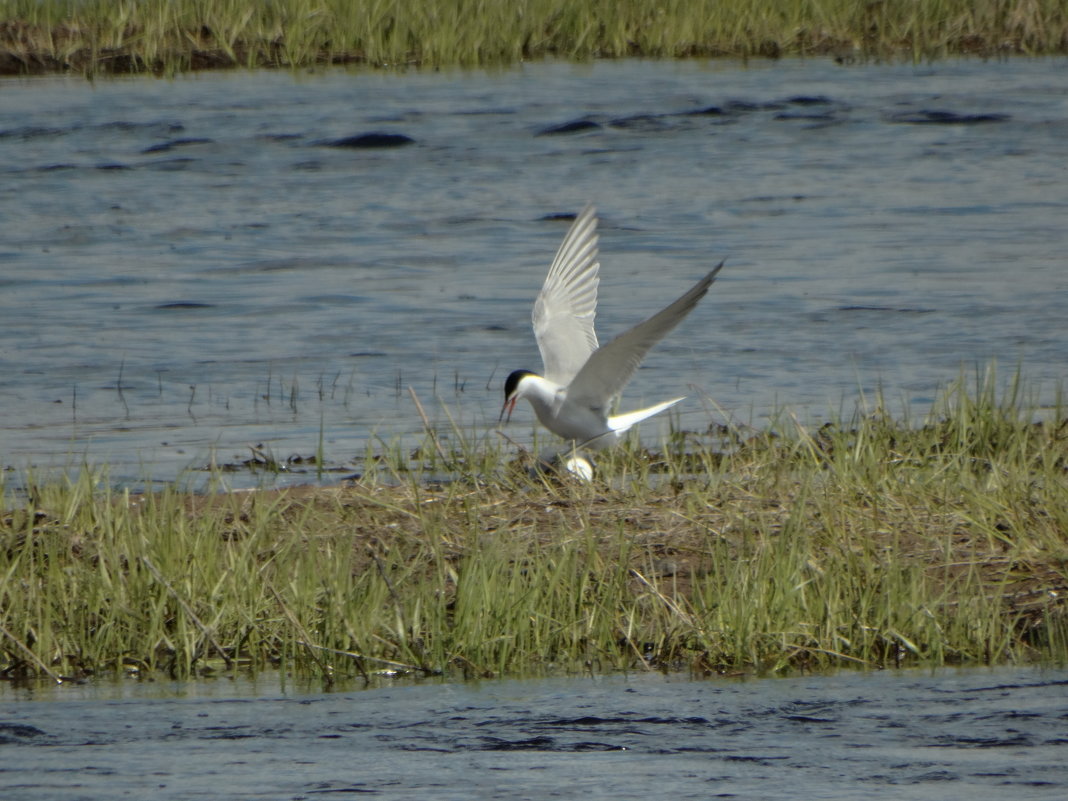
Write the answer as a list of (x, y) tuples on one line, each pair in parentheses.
[(869, 541), (169, 36)]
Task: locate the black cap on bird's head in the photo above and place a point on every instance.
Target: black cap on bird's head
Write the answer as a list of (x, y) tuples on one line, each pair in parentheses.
[(511, 388), (511, 383)]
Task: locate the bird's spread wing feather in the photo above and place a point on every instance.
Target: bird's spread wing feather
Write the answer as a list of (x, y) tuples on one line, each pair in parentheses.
[(609, 369), (565, 308)]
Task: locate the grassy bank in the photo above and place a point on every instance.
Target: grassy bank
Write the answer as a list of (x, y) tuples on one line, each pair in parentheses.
[(872, 542), (168, 36)]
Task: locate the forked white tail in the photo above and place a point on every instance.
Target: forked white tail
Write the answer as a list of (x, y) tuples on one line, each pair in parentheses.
[(621, 422)]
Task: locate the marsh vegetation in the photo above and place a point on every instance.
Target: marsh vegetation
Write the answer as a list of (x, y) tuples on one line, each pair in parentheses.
[(169, 36), (870, 542)]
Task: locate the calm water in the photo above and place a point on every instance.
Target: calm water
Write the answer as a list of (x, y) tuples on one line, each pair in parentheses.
[(187, 268), (970, 735)]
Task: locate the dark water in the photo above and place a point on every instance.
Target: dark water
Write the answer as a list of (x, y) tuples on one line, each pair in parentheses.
[(980, 734), (189, 267)]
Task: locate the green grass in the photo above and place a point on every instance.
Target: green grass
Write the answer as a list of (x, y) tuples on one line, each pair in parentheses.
[(869, 542), (168, 36)]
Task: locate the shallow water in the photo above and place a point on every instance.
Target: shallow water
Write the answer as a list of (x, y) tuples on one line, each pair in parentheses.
[(188, 269), (947, 734)]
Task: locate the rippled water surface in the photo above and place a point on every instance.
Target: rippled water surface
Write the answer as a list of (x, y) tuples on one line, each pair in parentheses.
[(986, 734), (190, 267)]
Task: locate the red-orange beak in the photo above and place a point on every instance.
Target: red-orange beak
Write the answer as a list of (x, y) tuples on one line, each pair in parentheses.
[(509, 406)]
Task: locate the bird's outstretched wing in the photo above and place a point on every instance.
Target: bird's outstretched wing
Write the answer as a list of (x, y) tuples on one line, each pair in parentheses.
[(609, 369), (565, 308)]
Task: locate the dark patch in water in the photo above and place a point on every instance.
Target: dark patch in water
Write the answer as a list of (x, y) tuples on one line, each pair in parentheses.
[(402, 116), (600, 151), (181, 305), (374, 139), (1001, 687), (809, 100), (772, 198), (935, 776), (531, 744), (484, 112), (281, 137), (645, 121), (586, 746), (1016, 741), (543, 744), (18, 732), (57, 167), (31, 132), (743, 106), (817, 117), (590, 720), (164, 147), (233, 735), (126, 125), (737, 107), (902, 310), (707, 111), (324, 787), (574, 126), (113, 166), (931, 117)]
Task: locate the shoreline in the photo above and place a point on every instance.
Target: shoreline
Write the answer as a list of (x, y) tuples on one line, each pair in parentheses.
[(123, 62), (872, 544), (175, 37)]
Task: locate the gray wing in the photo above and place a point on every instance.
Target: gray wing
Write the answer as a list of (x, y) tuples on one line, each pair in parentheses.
[(610, 368), (565, 308)]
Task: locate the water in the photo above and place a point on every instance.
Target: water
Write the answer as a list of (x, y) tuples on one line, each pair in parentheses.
[(948, 734), (187, 269)]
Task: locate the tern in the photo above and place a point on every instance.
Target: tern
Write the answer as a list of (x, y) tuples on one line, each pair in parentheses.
[(582, 380)]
